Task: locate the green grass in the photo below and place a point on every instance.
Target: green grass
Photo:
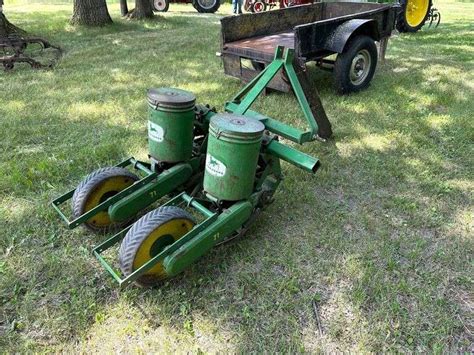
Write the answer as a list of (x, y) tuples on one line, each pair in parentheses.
[(380, 237)]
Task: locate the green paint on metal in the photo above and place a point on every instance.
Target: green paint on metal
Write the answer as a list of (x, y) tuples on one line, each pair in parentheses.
[(289, 132), (164, 183), (241, 102), (170, 124), (232, 155), (226, 224), (250, 93), (299, 93), (293, 156)]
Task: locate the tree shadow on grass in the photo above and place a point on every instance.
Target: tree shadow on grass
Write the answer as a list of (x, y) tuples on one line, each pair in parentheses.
[(374, 241), (368, 237)]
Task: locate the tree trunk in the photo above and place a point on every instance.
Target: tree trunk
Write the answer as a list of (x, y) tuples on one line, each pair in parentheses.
[(143, 9), (123, 7), (90, 13), (6, 27)]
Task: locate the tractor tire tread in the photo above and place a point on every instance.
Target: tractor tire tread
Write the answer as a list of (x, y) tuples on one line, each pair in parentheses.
[(401, 23), (87, 185), (141, 230)]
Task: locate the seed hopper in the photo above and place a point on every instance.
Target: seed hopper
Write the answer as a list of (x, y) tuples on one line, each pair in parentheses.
[(216, 170)]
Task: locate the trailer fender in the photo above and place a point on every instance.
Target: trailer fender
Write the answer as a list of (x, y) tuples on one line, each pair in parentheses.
[(336, 41)]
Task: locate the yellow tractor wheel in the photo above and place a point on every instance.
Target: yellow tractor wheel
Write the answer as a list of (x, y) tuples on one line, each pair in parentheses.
[(96, 188), (413, 15), (148, 237)]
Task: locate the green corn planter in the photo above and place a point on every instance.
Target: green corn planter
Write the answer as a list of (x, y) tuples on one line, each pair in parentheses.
[(170, 124), (232, 155)]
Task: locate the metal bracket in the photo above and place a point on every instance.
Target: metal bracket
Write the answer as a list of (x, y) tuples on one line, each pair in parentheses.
[(240, 103)]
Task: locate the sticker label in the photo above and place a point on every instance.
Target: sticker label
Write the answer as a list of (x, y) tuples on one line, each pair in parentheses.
[(214, 166), (155, 132)]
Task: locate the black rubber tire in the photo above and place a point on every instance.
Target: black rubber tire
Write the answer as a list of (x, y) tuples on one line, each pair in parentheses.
[(88, 185), (259, 6), (165, 9), (140, 232), (402, 24), (342, 66), (257, 66), (208, 10)]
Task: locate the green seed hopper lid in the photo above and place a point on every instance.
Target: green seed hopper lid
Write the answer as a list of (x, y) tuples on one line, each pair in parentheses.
[(170, 98), (236, 127)]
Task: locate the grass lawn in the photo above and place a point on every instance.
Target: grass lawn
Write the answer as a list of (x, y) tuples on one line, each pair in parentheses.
[(381, 237)]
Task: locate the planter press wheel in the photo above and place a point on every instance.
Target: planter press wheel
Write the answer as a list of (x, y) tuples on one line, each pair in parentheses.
[(259, 6), (161, 5), (96, 188), (148, 237), (413, 15), (206, 6), (355, 66)]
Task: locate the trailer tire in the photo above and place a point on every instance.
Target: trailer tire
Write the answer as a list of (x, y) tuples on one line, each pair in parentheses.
[(355, 66), (206, 6), (161, 5), (412, 20), (257, 66), (95, 189), (148, 237)]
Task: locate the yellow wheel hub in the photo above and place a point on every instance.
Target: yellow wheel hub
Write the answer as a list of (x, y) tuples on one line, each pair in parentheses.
[(157, 241), (104, 191), (416, 11)]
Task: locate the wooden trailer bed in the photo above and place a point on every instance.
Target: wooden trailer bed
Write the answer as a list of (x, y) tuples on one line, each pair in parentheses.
[(256, 46)]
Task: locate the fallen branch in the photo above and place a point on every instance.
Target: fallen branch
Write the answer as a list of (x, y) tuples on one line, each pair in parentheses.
[(316, 315)]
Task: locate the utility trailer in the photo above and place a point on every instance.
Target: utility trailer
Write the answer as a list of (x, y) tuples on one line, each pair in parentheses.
[(316, 32)]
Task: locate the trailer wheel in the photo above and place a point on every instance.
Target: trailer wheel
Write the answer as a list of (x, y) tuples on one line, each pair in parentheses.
[(259, 6), (413, 15), (148, 237), (206, 6), (355, 66), (97, 187), (161, 5), (257, 66)]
